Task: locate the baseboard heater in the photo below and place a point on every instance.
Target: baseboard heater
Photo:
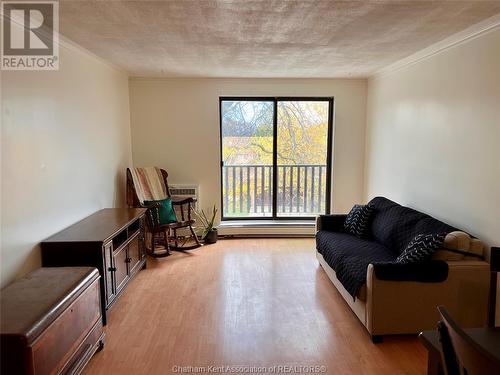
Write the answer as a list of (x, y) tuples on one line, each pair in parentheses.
[(266, 229), (278, 235)]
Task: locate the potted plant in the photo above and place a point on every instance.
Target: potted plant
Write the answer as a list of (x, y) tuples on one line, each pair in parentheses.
[(209, 233)]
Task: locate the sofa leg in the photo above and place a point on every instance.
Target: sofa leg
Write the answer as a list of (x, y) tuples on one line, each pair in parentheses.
[(377, 339)]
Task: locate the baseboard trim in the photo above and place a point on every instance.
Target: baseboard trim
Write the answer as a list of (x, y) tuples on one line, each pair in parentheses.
[(277, 235)]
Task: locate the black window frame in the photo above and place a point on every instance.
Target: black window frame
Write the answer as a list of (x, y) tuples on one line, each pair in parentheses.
[(329, 159)]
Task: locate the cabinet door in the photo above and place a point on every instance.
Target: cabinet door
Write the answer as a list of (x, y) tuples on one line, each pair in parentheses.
[(134, 253), (142, 239), (120, 267), (108, 272)]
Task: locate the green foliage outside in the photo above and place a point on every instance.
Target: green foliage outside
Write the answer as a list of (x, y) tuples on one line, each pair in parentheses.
[(247, 129), (247, 133)]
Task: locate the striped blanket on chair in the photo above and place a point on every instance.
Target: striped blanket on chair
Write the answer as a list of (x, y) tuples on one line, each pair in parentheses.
[(148, 183)]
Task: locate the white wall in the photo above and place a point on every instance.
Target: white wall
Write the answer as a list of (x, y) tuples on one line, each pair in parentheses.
[(433, 136), (65, 146), (175, 125)]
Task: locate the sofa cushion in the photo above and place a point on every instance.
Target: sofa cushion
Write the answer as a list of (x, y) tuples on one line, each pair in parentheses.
[(459, 245), (358, 219), (394, 226), (350, 256), (421, 248)]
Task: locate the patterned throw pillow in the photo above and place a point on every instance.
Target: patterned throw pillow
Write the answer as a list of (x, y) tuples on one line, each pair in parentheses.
[(421, 248), (356, 222)]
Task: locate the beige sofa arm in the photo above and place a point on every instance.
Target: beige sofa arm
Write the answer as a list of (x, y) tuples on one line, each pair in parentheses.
[(394, 307), (317, 224)]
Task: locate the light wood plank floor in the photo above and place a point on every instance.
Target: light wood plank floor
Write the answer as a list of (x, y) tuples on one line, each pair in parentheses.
[(255, 302)]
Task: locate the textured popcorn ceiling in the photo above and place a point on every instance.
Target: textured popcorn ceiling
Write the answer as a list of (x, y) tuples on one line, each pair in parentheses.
[(263, 38)]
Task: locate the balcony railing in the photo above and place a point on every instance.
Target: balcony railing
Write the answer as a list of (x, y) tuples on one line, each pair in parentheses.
[(247, 190)]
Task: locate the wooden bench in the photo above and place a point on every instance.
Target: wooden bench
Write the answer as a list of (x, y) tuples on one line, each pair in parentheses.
[(51, 321)]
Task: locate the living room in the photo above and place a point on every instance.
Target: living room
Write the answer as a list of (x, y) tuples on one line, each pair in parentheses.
[(309, 133)]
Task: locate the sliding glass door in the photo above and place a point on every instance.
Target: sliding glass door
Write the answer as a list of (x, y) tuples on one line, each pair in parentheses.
[(247, 157), (276, 156), (302, 150)]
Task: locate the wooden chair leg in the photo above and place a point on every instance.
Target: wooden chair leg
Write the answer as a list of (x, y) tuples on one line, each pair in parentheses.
[(181, 245), (155, 238), (167, 245), (152, 242), (194, 236)]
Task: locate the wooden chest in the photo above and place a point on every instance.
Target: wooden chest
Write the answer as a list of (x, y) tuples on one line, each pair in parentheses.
[(112, 240), (51, 321)]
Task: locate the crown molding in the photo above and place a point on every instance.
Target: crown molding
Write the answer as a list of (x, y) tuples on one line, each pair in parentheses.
[(231, 79), (72, 46), (454, 40)]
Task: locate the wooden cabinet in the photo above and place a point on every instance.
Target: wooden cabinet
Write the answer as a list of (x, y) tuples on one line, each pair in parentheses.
[(51, 321), (110, 291), (112, 240), (134, 254), (119, 267)]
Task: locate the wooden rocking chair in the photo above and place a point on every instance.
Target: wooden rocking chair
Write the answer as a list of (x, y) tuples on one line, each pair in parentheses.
[(147, 184)]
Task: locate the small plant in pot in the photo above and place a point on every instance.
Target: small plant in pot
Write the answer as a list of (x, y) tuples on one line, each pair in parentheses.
[(209, 233)]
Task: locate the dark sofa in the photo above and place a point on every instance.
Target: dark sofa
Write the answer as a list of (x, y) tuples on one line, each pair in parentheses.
[(390, 298)]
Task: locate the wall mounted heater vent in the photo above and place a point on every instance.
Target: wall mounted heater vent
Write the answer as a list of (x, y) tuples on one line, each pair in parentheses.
[(179, 192)]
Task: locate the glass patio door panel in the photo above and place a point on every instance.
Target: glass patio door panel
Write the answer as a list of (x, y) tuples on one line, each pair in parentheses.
[(302, 157), (247, 158), (261, 137)]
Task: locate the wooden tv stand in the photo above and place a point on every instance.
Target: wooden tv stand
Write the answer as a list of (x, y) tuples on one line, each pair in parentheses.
[(112, 240)]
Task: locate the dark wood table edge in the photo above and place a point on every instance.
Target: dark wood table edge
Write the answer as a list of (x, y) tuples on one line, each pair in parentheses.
[(430, 339)]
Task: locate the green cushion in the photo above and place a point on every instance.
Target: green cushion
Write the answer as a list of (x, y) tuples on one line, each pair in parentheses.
[(166, 211)]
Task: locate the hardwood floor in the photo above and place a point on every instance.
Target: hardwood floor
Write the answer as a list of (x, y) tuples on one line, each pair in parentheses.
[(255, 302)]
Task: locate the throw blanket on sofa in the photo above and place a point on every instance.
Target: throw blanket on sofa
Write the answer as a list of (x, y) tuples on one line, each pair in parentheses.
[(392, 228), (350, 256), (433, 271)]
